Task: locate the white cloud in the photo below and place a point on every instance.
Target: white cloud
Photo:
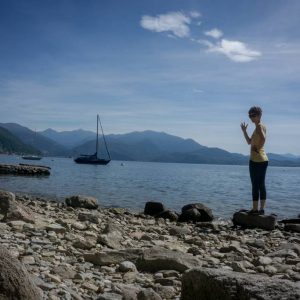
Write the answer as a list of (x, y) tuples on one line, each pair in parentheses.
[(195, 14), (175, 22), (235, 50), (215, 33)]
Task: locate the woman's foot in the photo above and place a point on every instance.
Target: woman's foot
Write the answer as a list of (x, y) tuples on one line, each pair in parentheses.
[(253, 212), (261, 212)]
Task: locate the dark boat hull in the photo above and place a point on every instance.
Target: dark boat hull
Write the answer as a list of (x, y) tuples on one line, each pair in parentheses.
[(91, 161), (32, 157)]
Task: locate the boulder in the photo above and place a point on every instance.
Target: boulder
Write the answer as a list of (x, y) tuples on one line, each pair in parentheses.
[(111, 236), (292, 227), (106, 258), (204, 211), (242, 218), (190, 215), (217, 284), (82, 201), (154, 208), (168, 214), (290, 221), (15, 282), (156, 259), (13, 210)]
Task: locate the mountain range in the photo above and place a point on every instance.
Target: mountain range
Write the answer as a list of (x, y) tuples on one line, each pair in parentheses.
[(135, 146)]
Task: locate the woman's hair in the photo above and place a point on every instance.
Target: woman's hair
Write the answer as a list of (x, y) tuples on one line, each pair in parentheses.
[(255, 110)]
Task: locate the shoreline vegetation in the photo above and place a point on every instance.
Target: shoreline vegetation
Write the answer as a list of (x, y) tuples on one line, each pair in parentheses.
[(79, 250)]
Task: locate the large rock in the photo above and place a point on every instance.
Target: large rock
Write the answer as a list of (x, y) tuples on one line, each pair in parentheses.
[(106, 258), (111, 236), (214, 284), (292, 227), (242, 218), (15, 282), (82, 201), (196, 212), (153, 208), (156, 259), (13, 210), (168, 214)]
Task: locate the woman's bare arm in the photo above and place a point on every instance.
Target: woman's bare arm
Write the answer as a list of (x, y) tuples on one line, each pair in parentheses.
[(244, 129)]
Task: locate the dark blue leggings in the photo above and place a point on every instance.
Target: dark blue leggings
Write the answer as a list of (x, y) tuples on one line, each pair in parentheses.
[(257, 174)]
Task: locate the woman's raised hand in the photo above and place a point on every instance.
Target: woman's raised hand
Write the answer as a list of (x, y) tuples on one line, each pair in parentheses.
[(244, 126)]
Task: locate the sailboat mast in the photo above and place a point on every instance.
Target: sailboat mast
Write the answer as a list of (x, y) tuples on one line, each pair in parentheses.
[(97, 137), (104, 139)]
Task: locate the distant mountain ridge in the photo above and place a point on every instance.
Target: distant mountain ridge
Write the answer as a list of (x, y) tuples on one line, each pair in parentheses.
[(45, 145), (147, 145), (69, 139), (10, 144)]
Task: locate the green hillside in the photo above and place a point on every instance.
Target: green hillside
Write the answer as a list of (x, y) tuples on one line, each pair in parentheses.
[(9, 143)]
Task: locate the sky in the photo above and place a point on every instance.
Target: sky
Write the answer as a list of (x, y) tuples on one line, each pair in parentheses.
[(187, 68)]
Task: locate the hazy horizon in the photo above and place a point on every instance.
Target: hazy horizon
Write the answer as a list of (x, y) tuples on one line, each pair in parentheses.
[(191, 69)]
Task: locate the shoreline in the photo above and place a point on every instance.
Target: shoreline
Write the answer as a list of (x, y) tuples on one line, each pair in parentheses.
[(93, 253)]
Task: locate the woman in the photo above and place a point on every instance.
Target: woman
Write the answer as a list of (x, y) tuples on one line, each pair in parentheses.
[(258, 160)]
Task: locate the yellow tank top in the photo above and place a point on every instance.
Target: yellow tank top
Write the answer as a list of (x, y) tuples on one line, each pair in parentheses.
[(260, 155)]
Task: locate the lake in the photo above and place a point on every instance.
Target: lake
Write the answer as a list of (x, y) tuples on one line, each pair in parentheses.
[(223, 188)]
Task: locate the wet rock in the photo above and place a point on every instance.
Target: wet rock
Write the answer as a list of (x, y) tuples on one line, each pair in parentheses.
[(190, 215), (219, 285), (82, 202), (153, 208), (168, 214), (15, 282), (292, 227), (196, 213), (244, 219)]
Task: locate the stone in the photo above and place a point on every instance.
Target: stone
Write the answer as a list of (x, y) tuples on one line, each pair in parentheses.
[(148, 294), (190, 215), (56, 228), (111, 237), (179, 231), (155, 259), (127, 266), (168, 214), (153, 208), (246, 220), (292, 227), (84, 243), (264, 260), (205, 212), (80, 201), (13, 210), (110, 296), (15, 282), (213, 284), (64, 271), (106, 258), (87, 216)]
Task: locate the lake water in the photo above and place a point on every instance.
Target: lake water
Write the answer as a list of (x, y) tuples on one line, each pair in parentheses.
[(225, 189)]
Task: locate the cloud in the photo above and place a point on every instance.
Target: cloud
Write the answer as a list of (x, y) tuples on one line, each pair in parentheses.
[(215, 33), (175, 22), (235, 50), (195, 14)]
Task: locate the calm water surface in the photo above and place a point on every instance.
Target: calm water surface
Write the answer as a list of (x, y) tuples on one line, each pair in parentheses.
[(225, 189)]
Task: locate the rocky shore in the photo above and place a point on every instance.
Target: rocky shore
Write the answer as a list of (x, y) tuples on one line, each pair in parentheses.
[(24, 170), (79, 250)]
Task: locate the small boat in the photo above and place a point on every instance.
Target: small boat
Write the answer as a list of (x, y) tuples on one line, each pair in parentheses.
[(93, 159), (32, 157)]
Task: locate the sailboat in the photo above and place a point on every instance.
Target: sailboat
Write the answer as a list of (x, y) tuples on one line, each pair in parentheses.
[(93, 158)]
